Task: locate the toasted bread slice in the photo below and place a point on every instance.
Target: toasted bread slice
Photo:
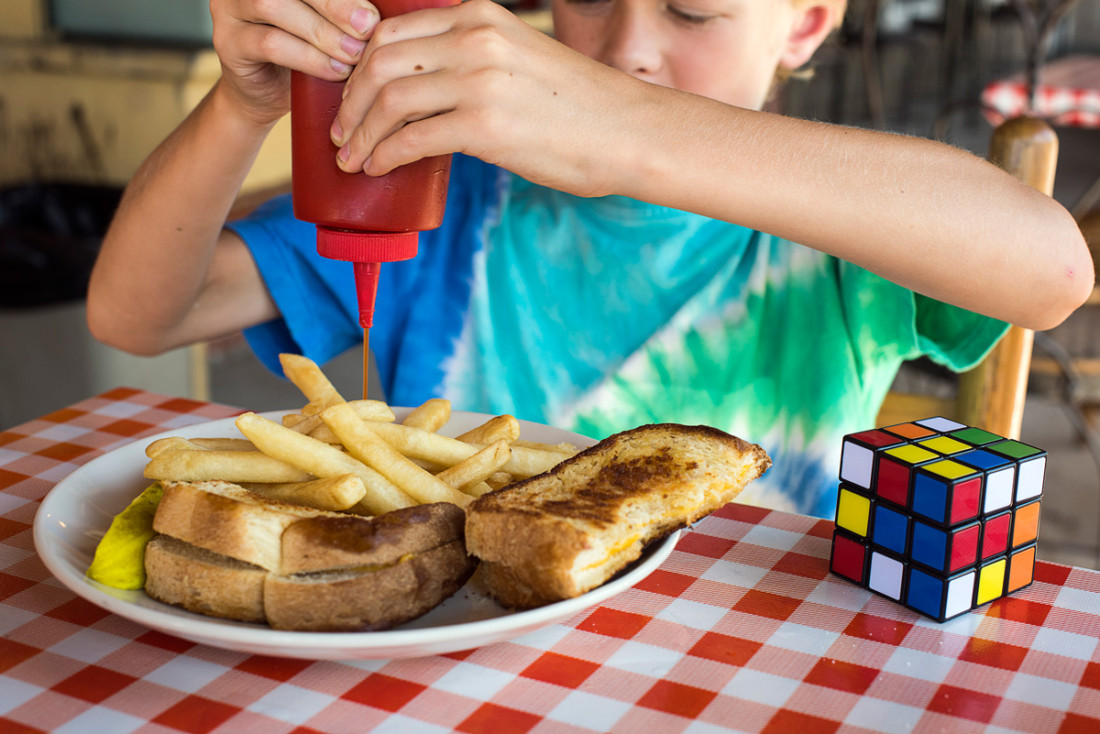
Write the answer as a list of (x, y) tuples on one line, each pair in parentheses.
[(350, 573), (228, 519), (326, 543), (370, 597), (561, 533), (203, 582)]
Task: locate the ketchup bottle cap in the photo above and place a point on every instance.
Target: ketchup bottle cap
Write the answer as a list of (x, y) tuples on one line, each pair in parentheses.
[(366, 247)]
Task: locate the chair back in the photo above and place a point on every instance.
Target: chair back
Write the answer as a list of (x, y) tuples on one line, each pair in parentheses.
[(992, 394)]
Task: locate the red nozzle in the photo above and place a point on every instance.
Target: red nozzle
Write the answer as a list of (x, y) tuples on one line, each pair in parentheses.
[(366, 250), (366, 287)]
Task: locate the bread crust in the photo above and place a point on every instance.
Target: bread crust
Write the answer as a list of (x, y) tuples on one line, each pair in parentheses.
[(504, 585), (374, 600), (559, 534), (203, 582)]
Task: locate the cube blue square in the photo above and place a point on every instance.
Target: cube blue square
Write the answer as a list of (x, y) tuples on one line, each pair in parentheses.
[(947, 492), (940, 597), (945, 550), (938, 516), (890, 529)]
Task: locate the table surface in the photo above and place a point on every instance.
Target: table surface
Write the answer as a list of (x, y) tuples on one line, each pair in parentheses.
[(741, 629)]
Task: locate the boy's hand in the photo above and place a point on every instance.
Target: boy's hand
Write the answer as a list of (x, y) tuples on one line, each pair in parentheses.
[(259, 40), (475, 79)]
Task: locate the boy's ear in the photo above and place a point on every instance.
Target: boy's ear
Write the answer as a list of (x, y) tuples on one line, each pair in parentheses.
[(813, 22)]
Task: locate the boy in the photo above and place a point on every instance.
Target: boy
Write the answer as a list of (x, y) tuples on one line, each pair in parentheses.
[(619, 244)]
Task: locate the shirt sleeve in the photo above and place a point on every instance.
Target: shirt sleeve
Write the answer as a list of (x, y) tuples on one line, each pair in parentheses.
[(314, 295), (889, 321)]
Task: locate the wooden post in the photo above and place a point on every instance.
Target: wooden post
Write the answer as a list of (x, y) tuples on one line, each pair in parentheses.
[(991, 396)]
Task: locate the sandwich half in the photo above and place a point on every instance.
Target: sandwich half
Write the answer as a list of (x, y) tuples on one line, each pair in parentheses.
[(566, 531), (223, 551)]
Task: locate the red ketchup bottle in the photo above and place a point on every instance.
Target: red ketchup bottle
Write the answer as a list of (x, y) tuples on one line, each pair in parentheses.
[(365, 220)]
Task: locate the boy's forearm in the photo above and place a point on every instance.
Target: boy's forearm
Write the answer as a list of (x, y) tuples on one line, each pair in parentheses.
[(158, 255), (927, 216)]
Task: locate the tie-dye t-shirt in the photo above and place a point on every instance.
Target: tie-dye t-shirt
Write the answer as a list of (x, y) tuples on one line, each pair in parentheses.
[(598, 315)]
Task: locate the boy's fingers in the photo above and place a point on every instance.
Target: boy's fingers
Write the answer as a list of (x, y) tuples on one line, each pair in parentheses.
[(331, 26), (356, 18), (400, 103)]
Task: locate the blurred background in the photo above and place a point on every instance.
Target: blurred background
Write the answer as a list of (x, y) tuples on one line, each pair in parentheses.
[(89, 87)]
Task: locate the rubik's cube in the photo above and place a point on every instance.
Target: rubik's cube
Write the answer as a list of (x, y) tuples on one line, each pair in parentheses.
[(936, 515)]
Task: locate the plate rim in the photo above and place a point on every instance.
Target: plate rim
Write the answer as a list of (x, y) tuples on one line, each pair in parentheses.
[(256, 639)]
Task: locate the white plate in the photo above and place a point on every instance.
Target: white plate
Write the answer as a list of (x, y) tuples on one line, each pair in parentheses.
[(76, 513)]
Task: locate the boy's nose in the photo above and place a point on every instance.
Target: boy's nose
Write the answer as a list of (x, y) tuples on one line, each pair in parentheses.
[(631, 43)]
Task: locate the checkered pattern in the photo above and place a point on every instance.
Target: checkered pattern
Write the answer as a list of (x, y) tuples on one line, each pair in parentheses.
[(1068, 94), (743, 628)]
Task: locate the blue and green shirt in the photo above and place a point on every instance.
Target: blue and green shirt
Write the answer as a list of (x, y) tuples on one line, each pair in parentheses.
[(598, 315)]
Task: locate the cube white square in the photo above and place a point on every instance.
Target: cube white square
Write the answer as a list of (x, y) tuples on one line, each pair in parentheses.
[(1030, 482), (998, 489), (960, 595), (856, 464), (886, 575)]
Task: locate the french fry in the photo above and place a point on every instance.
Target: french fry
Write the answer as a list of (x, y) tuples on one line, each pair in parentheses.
[(425, 446), (445, 451), (300, 423), (431, 415), (308, 377), (499, 479), (337, 493), (171, 443), (364, 445), (374, 410), (368, 410), (324, 434), (322, 460), (527, 462), (562, 448), (473, 471), (199, 465), (175, 443), (225, 444), (497, 428)]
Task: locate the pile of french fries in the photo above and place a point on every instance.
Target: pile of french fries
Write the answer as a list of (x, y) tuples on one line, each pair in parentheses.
[(353, 456)]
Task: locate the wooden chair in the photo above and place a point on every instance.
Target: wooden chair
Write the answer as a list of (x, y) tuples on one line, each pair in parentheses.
[(992, 394)]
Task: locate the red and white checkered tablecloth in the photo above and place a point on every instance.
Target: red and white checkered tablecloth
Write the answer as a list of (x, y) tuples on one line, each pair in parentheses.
[(1068, 94), (741, 629)]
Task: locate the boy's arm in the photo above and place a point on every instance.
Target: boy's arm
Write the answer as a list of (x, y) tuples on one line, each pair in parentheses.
[(928, 216), (168, 273)]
